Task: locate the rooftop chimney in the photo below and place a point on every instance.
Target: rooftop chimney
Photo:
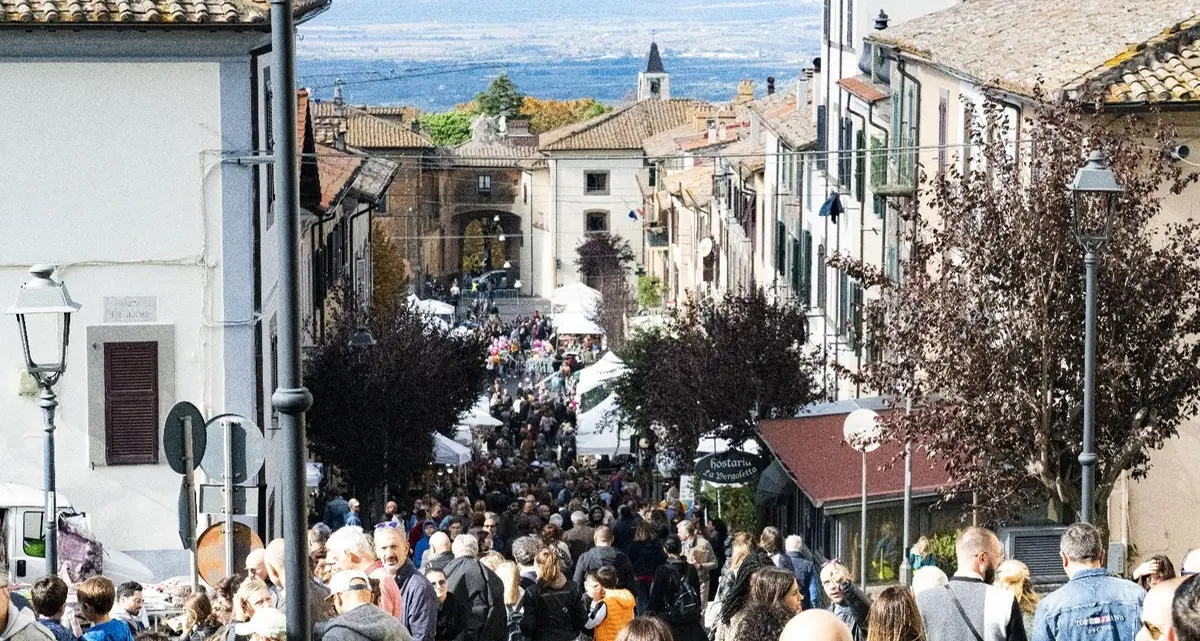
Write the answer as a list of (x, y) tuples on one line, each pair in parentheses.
[(415, 125), (770, 85), (339, 141), (337, 91)]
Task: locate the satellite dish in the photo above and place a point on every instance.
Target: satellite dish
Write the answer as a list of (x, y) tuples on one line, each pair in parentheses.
[(706, 247), (862, 431)]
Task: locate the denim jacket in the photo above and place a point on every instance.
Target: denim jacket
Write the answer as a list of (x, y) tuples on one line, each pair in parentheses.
[(1092, 606)]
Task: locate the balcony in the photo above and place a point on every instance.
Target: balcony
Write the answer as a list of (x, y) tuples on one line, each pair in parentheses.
[(893, 171)]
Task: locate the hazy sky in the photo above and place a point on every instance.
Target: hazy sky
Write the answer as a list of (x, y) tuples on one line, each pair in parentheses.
[(548, 29)]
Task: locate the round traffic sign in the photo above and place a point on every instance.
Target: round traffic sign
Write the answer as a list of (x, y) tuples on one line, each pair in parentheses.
[(862, 431), (210, 550), (173, 444), (245, 446)]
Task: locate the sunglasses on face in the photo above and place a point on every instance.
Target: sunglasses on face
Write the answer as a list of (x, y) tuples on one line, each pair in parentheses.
[(387, 524)]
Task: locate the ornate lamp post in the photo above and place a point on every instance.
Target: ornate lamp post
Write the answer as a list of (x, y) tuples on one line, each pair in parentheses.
[(1094, 194), (44, 304)]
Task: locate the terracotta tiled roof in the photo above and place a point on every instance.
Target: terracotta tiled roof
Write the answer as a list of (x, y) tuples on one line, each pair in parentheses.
[(794, 126), (301, 118), (1167, 69), (1010, 44), (337, 170), (362, 129), (374, 178), (370, 132), (622, 128), (692, 186), (145, 13), (494, 154), (809, 447), (863, 88)]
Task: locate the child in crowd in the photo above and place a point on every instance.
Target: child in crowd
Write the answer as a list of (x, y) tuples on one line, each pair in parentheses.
[(611, 609)]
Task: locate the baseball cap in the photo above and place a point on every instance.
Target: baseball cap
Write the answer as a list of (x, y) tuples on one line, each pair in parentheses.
[(1191, 563), (268, 623), (344, 581), (353, 503)]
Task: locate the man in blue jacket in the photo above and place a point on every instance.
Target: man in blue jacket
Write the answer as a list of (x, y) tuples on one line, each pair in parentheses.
[(808, 578), (420, 610), (1093, 605)]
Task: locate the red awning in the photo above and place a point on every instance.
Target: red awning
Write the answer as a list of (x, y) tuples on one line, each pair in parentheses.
[(828, 470)]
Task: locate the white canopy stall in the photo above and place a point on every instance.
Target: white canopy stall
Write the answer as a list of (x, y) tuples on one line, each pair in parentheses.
[(576, 323), (576, 297), (599, 430), (448, 452), (478, 416)]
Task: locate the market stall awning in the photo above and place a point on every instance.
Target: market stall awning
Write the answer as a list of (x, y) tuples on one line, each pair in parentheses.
[(811, 444), (435, 307), (480, 414), (447, 452), (599, 430), (576, 323), (575, 297), (607, 368)]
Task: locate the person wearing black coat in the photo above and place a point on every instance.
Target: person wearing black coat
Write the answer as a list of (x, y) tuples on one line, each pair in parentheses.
[(479, 591), (554, 607), (605, 554), (665, 590)]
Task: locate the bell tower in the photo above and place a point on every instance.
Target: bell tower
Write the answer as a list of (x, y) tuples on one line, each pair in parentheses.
[(654, 83)]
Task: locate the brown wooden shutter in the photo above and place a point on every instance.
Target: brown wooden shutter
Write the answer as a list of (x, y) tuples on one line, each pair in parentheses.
[(131, 403)]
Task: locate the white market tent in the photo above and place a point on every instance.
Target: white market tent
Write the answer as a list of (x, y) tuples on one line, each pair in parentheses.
[(478, 416), (575, 297), (599, 430), (607, 368), (435, 307), (713, 446), (448, 452), (576, 323)]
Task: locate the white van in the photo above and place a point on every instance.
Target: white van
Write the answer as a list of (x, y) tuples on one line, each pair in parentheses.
[(23, 538)]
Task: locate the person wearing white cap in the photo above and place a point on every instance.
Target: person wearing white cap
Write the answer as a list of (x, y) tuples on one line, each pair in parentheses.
[(352, 517), (1191, 563), (358, 619)]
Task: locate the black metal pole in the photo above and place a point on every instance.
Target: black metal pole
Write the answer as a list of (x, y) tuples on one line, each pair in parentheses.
[(48, 403), (290, 398), (1088, 457)]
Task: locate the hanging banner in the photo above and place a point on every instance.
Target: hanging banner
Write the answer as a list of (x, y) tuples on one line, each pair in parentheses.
[(730, 467)]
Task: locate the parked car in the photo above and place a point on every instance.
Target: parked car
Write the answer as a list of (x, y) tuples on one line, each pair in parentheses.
[(497, 278)]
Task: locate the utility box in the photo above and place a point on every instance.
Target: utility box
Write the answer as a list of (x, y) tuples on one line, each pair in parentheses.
[(1037, 547)]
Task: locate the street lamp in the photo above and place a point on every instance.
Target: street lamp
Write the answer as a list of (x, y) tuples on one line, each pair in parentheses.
[(1094, 195), (862, 431), (362, 337), (44, 304)]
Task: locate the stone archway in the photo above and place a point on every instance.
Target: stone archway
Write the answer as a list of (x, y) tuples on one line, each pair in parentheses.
[(466, 242)]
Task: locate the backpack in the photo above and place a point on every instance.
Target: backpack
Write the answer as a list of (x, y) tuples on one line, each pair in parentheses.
[(685, 606), (515, 614)]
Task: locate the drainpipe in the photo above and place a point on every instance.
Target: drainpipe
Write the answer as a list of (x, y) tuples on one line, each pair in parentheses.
[(916, 141)]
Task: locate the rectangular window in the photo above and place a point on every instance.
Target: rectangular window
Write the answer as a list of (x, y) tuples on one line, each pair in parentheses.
[(596, 183), (597, 221), (822, 283), (822, 137), (806, 268), (825, 29), (131, 403), (943, 121), (860, 166), (849, 18), (797, 267), (269, 132), (525, 194), (484, 182), (968, 137), (780, 247), (808, 188), (845, 157)]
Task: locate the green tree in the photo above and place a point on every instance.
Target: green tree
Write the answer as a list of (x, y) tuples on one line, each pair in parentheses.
[(985, 331), (501, 98), (496, 248), (473, 248), (415, 381), (447, 128), (711, 365), (388, 272)]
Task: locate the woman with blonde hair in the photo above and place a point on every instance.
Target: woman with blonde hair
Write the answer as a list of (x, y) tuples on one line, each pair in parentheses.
[(1012, 575), (845, 599), (554, 607), (733, 591), (252, 596), (894, 617), (510, 576), (921, 555)]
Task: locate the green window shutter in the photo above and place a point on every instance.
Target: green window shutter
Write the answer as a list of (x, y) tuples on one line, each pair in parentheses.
[(860, 166), (806, 268), (780, 247), (856, 316), (797, 261), (843, 302)]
